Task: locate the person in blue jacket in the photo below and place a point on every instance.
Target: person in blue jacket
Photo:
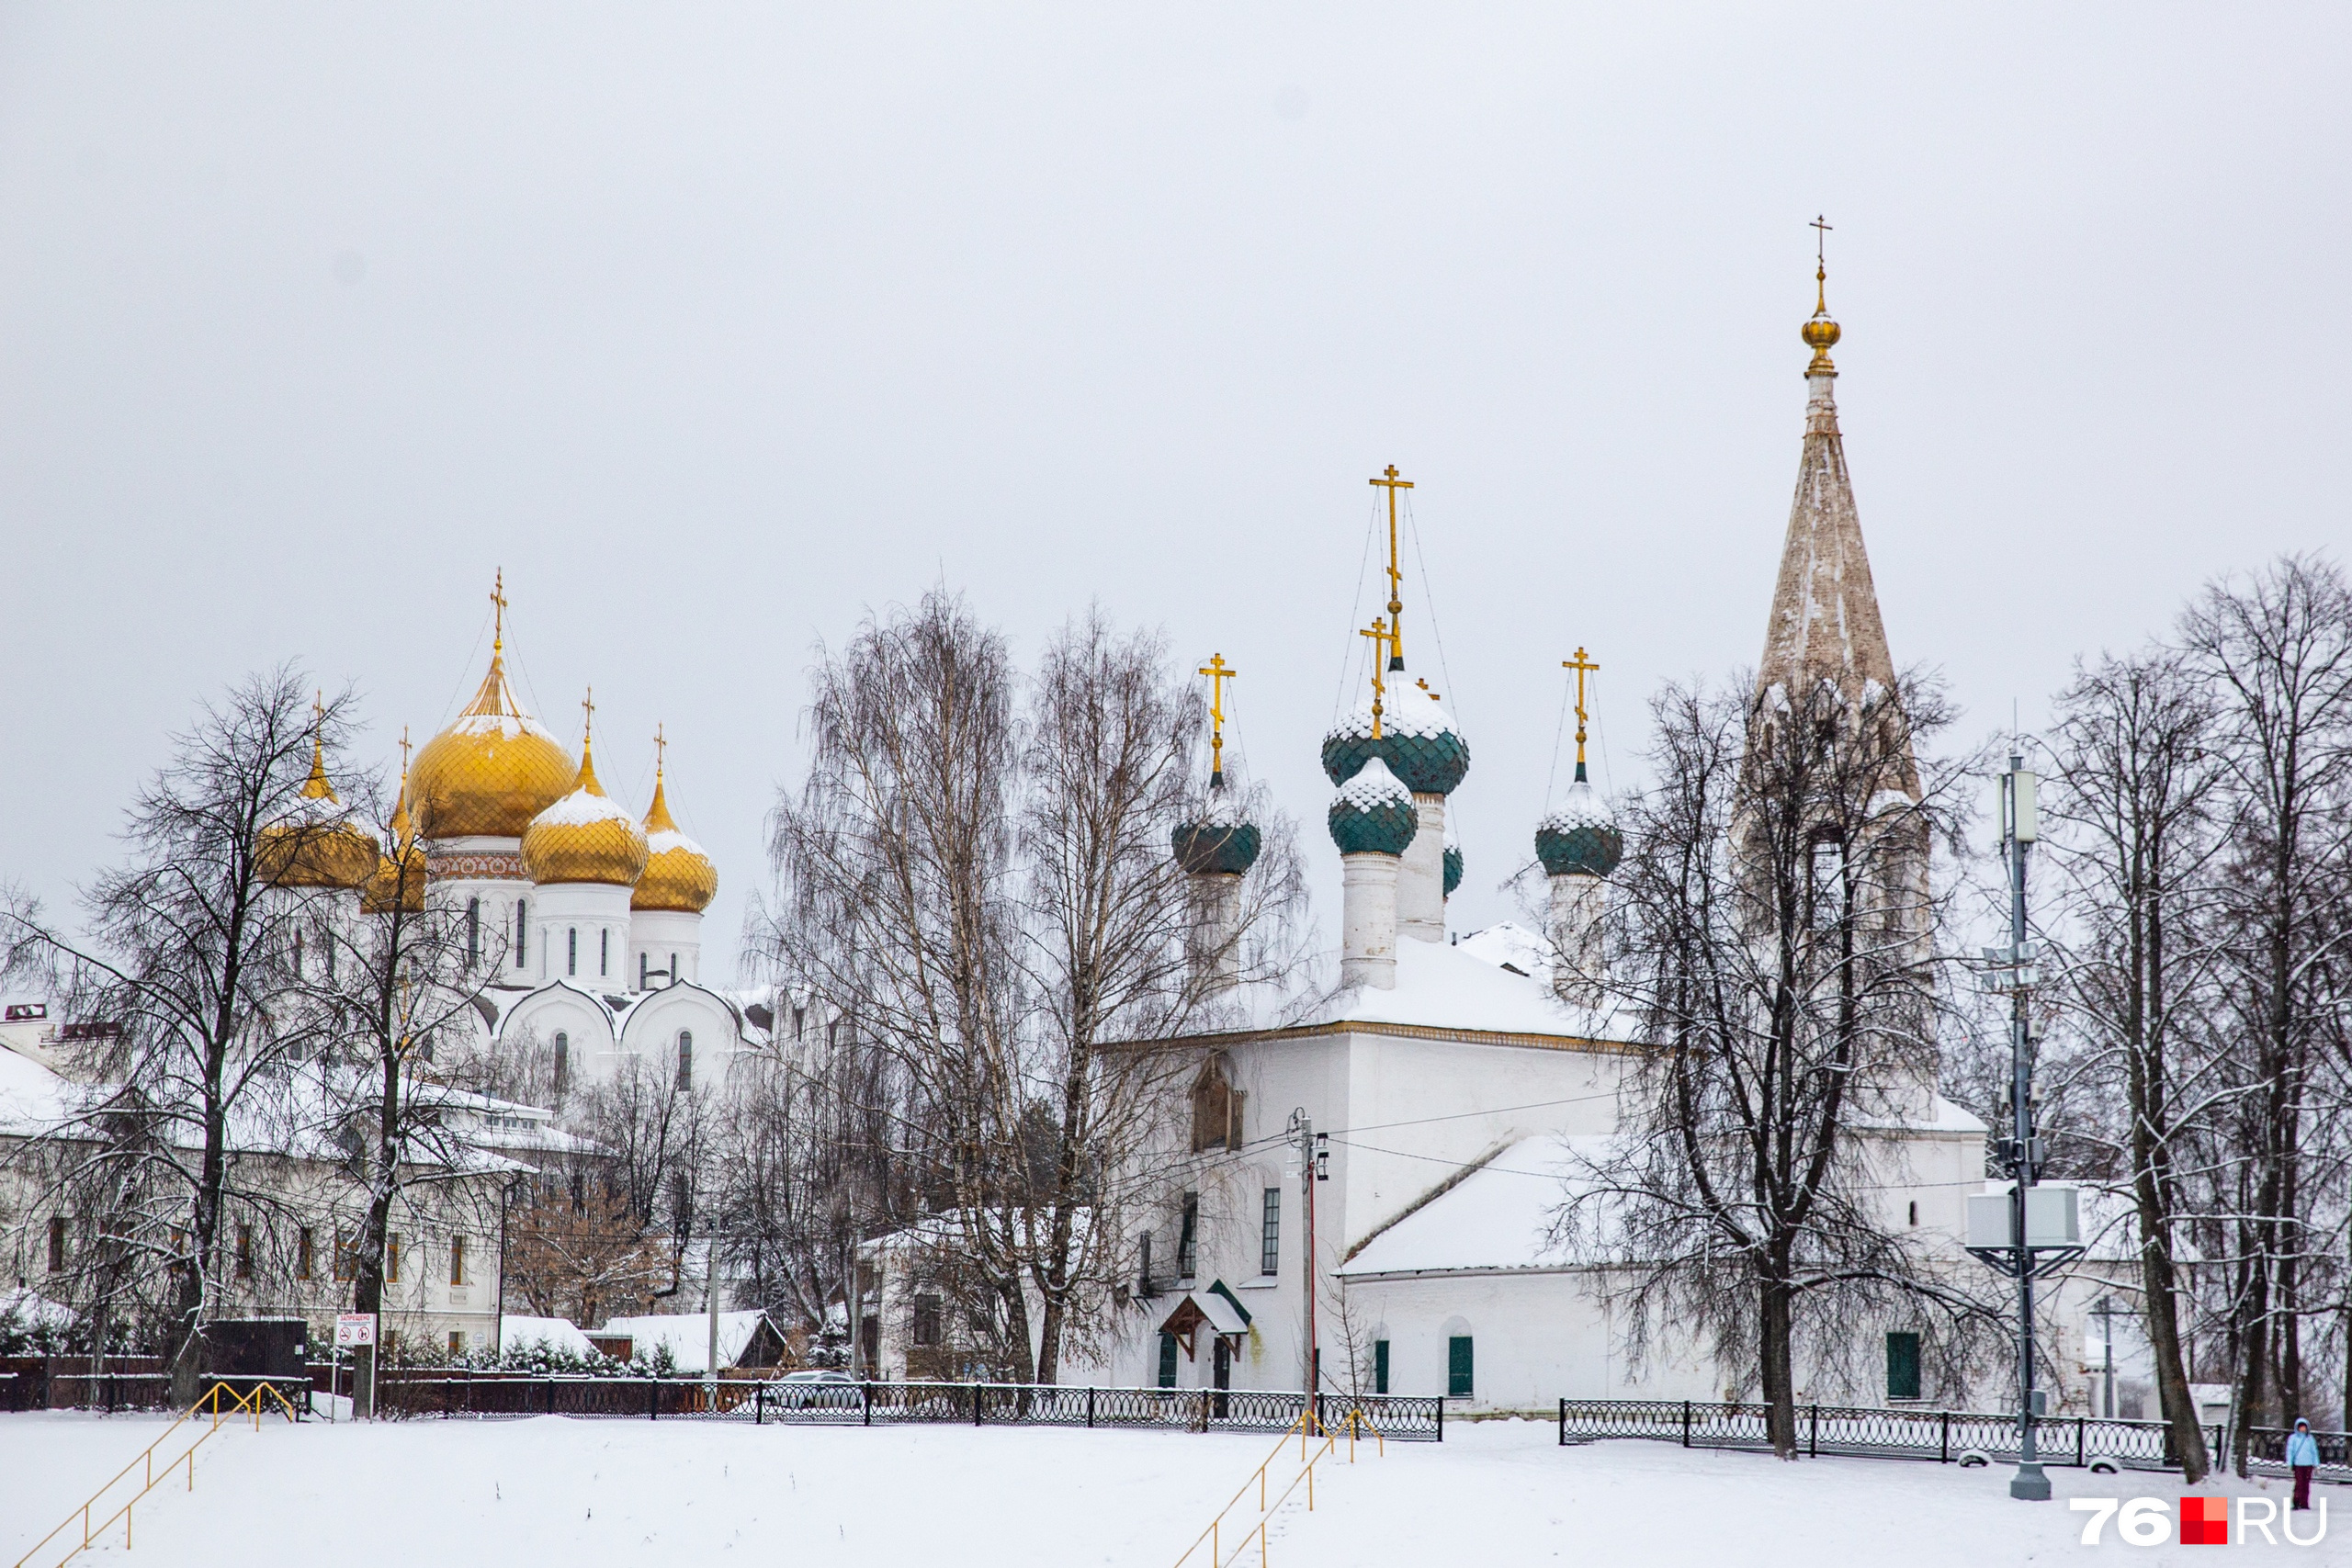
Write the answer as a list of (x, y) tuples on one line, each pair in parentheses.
[(2302, 1458)]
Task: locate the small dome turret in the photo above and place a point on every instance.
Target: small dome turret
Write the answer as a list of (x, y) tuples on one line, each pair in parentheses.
[(1220, 841), (1417, 740), (1578, 836), (586, 836), (399, 878), (1452, 858), (678, 875), (1373, 813), (316, 845)]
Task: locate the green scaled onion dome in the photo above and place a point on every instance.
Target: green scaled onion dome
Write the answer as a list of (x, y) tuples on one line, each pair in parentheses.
[(1418, 742), (1578, 836), (1220, 841), (1452, 862), (1373, 813)]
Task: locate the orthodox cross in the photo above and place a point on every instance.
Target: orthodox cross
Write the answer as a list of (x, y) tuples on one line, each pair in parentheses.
[(588, 716), (660, 750), (1582, 666), (404, 750), (498, 600), (1390, 482), (1382, 638), (1820, 265), (1220, 672)]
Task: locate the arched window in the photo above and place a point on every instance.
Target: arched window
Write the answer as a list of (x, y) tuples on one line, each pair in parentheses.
[(605, 950), (562, 1061), (298, 955), (640, 970), (572, 950), (473, 930), (674, 970), (522, 928), (685, 1060)]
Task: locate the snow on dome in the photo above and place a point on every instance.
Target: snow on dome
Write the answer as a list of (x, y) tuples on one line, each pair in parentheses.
[(1417, 740), (1219, 841), (1373, 812), (1578, 836), (585, 836)]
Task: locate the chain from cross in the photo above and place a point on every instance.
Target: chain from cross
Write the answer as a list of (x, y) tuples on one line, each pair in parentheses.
[(1389, 482), (1220, 672)]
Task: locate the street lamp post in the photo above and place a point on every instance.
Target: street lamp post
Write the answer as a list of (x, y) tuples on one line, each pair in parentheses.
[(2105, 1312), (2019, 820)]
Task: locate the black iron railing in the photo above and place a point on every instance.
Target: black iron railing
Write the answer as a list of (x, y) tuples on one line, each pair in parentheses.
[(1857, 1432), (1403, 1417), (2266, 1452)]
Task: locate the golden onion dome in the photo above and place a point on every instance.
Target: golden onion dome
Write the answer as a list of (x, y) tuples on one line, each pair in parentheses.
[(678, 875), (316, 845), (494, 769), (584, 837), (1820, 332), (399, 878)]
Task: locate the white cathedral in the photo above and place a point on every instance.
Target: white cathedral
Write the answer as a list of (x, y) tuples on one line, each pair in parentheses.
[(1456, 1082), (587, 920)]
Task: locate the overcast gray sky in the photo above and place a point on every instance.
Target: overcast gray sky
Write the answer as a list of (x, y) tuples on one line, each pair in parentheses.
[(714, 326)]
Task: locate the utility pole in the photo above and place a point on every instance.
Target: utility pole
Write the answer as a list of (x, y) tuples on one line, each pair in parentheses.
[(1313, 1153), (2019, 822), (2105, 1312)]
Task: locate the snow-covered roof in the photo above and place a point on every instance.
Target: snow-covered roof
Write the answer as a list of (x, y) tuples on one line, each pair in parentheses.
[(559, 1335), (687, 1334), (1464, 986), (1497, 1217)]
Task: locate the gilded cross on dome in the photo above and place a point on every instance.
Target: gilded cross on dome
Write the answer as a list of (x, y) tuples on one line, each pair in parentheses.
[(1383, 641), (498, 614), (1389, 482), (1582, 666), (1220, 672), (1820, 332)]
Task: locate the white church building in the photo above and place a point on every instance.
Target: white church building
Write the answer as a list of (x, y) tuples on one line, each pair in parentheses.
[(1451, 1086)]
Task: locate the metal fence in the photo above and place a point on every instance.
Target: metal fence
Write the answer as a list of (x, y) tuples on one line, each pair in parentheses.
[(1938, 1435), (1397, 1417), (2266, 1453)]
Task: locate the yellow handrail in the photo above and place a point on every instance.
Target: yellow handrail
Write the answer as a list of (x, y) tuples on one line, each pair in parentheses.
[(1307, 1426), (212, 1397)]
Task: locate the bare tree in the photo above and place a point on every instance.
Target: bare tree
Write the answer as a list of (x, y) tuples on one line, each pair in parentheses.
[(2275, 653), (985, 890), (2137, 840), (1774, 932), (181, 983)]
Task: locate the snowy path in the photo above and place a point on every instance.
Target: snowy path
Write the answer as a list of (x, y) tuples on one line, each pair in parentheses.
[(589, 1494)]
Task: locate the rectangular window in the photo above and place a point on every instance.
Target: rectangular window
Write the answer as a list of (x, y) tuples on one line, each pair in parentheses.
[(344, 1261), (1915, 1210), (522, 926), (302, 1258), (1167, 1361), (1270, 1235), (1902, 1366), (473, 932), (640, 975), (57, 1244), (1458, 1381), (392, 1258), (1380, 1366), (457, 1260), (1188, 1237), (926, 1321), (457, 1343), (244, 1251)]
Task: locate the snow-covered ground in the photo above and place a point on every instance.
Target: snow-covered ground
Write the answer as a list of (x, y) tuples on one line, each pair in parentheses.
[(588, 1494)]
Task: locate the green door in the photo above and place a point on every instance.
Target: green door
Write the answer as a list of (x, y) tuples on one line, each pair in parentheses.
[(1902, 1366), (1168, 1360), (1457, 1365), (1380, 1366)]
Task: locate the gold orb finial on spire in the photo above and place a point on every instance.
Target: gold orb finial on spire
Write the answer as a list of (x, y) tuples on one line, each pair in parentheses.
[(1820, 332)]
